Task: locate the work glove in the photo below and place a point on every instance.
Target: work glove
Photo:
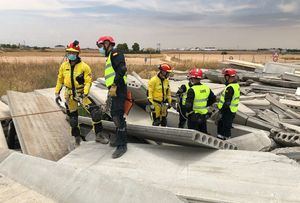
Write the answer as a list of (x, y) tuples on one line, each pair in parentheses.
[(113, 91), (57, 98), (169, 106), (152, 108)]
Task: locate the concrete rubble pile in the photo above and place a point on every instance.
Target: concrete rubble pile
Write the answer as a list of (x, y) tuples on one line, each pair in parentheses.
[(163, 164)]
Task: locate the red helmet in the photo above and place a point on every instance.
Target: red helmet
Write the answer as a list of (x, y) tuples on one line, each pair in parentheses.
[(165, 67), (102, 39), (195, 73), (229, 71), (73, 47)]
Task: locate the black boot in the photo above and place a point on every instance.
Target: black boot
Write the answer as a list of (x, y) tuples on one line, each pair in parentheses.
[(121, 149)]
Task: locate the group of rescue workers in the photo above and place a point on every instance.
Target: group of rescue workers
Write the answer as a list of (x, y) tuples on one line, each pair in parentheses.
[(194, 98)]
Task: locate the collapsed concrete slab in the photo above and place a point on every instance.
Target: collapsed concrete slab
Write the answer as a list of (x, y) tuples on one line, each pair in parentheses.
[(291, 152), (64, 183), (3, 143), (243, 119), (198, 174), (168, 135), (258, 141), (294, 105), (275, 102), (287, 139), (245, 65), (259, 88), (291, 77), (281, 68), (41, 126), (12, 192), (4, 111), (279, 82)]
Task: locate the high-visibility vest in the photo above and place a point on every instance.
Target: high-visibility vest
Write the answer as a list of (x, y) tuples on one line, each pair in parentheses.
[(235, 98), (109, 73), (184, 95), (201, 96)]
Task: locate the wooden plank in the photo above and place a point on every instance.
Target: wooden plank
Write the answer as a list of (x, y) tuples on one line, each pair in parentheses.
[(41, 126), (3, 143), (4, 111)]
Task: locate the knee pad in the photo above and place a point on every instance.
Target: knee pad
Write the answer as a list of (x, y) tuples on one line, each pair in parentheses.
[(96, 114), (73, 119), (119, 121)]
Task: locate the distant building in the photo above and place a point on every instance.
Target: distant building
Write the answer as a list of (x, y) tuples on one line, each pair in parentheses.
[(210, 49)]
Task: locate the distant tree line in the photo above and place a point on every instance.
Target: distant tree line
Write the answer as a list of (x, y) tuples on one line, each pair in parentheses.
[(18, 46), (135, 49)]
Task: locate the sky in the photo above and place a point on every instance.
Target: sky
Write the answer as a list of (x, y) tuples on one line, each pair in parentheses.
[(234, 24)]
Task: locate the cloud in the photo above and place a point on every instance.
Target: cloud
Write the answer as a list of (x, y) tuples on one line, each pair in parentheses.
[(290, 7)]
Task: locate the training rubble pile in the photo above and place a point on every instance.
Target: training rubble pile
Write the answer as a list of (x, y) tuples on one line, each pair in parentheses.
[(163, 164)]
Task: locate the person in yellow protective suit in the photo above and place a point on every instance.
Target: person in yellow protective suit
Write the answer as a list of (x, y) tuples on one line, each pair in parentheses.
[(76, 77), (159, 95)]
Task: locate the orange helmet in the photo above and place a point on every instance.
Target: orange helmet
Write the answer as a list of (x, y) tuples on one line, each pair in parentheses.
[(229, 71), (73, 47), (165, 67), (102, 39), (195, 73)]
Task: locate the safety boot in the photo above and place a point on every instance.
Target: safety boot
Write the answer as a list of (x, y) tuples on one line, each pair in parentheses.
[(121, 149), (77, 140), (101, 138)]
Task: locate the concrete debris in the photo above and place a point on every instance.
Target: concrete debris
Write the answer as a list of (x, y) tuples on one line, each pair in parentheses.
[(258, 141), (3, 143), (259, 88), (290, 77), (170, 164), (291, 152), (294, 105), (281, 68), (244, 65), (279, 82), (287, 139), (4, 112), (36, 121), (185, 137), (63, 183), (202, 175)]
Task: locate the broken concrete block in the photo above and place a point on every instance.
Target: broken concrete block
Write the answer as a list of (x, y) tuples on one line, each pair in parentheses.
[(275, 102), (281, 68), (287, 139), (4, 111), (178, 136), (253, 122), (291, 77), (259, 88), (294, 105), (291, 152), (3, 143), (258, 141), (279, 82), (246, 110)]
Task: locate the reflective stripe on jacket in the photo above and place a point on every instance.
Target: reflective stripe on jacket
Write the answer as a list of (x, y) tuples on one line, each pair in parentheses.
[(184, 95), (110, 74), (235, 98)]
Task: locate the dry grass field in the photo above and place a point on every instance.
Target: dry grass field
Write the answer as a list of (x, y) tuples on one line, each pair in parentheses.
[(26, 71)]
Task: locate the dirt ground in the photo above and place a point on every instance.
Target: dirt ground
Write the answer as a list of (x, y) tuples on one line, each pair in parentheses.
[(147, 59)]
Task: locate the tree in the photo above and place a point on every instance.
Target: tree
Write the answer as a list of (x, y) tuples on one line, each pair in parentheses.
[(135, 47), (123, 47)]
